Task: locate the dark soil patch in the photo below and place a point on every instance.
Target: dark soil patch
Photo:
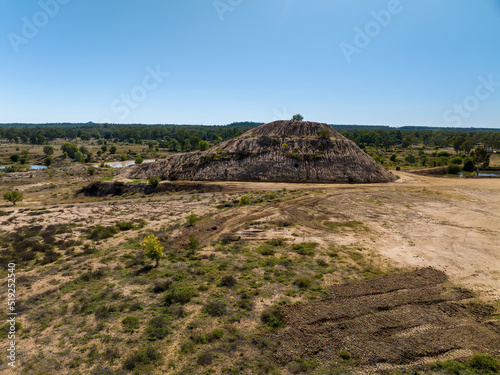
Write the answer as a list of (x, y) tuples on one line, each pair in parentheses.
[(391, 321), (107, 188)]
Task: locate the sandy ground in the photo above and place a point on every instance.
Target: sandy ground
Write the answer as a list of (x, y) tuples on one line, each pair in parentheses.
[(451, 224)]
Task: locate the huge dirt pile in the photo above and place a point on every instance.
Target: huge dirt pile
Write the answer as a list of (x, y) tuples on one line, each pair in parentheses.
[(284, 151)]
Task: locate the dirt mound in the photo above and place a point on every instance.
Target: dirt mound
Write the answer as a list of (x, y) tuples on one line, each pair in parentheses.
[(388, 323), (281, 151), (107, 188), (290, 129)]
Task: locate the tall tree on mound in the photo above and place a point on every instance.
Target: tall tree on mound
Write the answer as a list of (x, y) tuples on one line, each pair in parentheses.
[(297, 117)]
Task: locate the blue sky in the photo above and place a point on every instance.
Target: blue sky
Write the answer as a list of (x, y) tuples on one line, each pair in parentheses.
[(391, 62)]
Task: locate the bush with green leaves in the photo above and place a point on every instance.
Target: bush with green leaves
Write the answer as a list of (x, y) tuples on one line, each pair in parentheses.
[(130, 323), (158, 328), (138, 160), (48, 150), (148, 355), (179, 293), (453, 169), (14, 158), (152, 248), (154, 181), (468, 165), (13, 196), (244, 200), (192, 218), (272, 317)]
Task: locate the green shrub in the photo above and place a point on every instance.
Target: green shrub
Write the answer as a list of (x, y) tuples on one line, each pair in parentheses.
[(179, 294), (216, 334), (98, 232), (192, 218), (344, 355), (214, 308), (305, 248), (303, 282), (125, 225), (138, 160), (154, 181), (276, 242), (244, 200), (13, 196), (14, 158), (443, 153), (92, 171), (228, 281), (482, 361), (272, 317), (158, 328), (456, 160), (468, 165), (266, 250), (393, 158), (324, 133), (131, 323), (453, 169), (145, 356)]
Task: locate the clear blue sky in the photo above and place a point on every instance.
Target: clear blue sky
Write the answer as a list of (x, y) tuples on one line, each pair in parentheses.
[(254, 60)]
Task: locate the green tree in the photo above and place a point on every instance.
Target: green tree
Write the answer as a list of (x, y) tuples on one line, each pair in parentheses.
[(297, 117), (48, 150), (13, 196), (104, 148), (481, 158), (203, 145), (152, 247), (70, 148), (393, 158), (112, 149), (14, 158)]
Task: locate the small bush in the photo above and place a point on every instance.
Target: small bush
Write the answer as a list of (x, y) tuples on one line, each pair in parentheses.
[(205, 359), (98, 232), (344, 355), (158, 328), (214, 308), (303, 282), (244, 200), (216, 334), (276, 242), (228, 281), (179, 294), (272, 317), (443, 153), (468, 165), (125, 225), (453, 169), (161, 286), (192, 218), (131, 323), (138, 160), (152, 248), (456, 160), (145, 356), (266, 250), (305, 248), (154, 181), (482, 361)]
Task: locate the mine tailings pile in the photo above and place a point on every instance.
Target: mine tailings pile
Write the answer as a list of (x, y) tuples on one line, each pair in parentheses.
[(281, 151)]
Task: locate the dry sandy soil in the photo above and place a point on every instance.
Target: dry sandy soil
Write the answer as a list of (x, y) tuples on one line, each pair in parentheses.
[(449, 224)]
